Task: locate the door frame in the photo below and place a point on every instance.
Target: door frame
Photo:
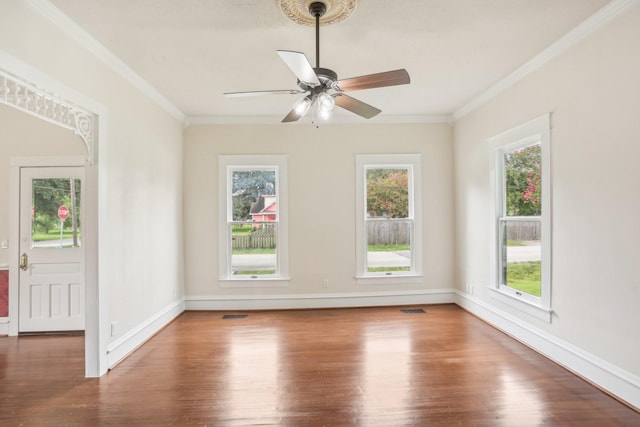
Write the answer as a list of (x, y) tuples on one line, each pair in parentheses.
[(89, 245), (51, 170), (96, 331)]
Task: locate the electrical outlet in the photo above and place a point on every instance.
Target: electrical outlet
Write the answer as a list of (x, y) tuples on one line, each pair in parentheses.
[(325, 283), (4, 244), (113, 328)]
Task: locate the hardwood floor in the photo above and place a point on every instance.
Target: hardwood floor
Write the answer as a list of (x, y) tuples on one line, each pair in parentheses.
[(342, 367)]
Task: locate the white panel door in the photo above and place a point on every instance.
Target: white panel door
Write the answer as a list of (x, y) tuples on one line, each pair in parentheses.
[(52, 281)]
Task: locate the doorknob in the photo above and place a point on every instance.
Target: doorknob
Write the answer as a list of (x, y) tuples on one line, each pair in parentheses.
[(24, 261)]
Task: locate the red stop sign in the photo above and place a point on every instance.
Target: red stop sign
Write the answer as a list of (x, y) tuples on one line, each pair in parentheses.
[(63, 212)]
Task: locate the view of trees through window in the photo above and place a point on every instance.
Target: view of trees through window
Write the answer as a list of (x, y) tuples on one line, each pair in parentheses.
[(521, 223), (255, 221), (388, 223), (55, 213)]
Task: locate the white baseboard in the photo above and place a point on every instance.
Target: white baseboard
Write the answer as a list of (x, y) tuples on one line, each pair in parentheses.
[(4, 326), (620, 383), (123, 346), (338, 300)]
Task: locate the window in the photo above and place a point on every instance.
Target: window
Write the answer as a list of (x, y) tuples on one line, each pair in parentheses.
[(253, 226), (388, 223), (55, 213), (522, 226)]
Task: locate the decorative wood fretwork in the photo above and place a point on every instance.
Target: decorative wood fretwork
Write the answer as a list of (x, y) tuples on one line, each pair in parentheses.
[(26, 97)]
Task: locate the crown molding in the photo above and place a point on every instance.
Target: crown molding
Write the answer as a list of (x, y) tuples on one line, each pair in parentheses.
[(587, 27), (84, 39), (276, 120)]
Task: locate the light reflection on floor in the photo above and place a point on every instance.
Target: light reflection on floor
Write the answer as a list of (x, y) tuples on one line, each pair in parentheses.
[(252, 376), (386, 372), (520, 404)]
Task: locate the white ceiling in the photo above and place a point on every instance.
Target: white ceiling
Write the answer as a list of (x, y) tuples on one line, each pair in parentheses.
[(192, 51)]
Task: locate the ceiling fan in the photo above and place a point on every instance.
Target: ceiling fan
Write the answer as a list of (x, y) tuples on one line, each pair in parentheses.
[(321, 85)]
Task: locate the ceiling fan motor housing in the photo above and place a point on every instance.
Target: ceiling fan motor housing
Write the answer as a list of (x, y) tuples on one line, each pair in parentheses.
[(317, 9)]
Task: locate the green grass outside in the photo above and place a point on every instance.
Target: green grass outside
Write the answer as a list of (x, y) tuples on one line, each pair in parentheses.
[(52, 235), (515, 243), (254, 272), (254, 251), (385, 269), (242, 230), (524, 276), (388, 248)]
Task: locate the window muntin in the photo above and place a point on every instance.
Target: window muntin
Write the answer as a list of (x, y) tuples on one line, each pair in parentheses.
[(253, 205), (388, 218)]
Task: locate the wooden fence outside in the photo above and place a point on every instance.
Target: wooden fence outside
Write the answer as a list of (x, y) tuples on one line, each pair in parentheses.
[(381, 232), (523, 230), (254, 240)]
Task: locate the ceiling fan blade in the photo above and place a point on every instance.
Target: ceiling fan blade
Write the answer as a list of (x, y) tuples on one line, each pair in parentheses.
[(261, 93), (299, 64), (388, 78), (356, 106), (298, 111)]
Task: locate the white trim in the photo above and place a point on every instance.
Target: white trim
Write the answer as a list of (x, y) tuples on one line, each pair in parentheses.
[(619, 382), (537, 130), (15, 165), (277, 120), (137, 336), (605, 15), (413, 163), (96, 296), (527, 307), (4, 326), (279, 163), (304, 301), (88, 42)]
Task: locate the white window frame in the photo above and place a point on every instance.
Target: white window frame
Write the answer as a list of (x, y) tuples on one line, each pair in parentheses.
[(530, 133), (413, 163), (226, 165)]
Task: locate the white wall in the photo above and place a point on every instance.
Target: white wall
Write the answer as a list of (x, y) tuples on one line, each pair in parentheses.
[(593, 93), (140, 170), (321, 170)]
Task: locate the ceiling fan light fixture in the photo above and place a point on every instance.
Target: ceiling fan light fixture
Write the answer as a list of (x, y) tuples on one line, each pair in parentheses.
[(301, 107), (323, 114), (325, 102)]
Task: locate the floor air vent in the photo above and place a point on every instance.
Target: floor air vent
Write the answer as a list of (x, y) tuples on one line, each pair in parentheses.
[(234, 316), (412, 310)]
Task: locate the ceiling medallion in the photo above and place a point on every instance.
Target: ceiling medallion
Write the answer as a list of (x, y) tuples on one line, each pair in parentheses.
[(298, 11)]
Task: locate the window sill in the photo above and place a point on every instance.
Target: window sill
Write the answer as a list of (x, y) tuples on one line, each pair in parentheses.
[(391, 279), (271, 282), (528, 307)]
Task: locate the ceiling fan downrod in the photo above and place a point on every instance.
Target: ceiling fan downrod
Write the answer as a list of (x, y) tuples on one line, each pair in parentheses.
[(317, 9)]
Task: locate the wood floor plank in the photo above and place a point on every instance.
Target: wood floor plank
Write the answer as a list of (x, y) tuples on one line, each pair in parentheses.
[(342, 367)]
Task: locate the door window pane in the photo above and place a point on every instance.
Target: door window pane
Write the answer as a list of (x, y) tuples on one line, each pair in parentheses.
[(55, 213)]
